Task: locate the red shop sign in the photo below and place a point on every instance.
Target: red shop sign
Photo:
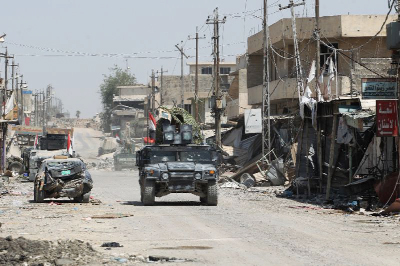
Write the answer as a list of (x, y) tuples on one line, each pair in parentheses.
[(387, 118)]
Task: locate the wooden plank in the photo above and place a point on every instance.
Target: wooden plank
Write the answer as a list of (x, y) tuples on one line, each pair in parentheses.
[(331, 155)]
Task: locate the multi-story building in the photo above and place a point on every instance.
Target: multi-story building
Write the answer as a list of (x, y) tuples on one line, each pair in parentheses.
[(342, 32)]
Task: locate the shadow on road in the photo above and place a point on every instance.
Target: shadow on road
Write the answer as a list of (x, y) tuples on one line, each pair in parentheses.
[(164, 203), (57, 202)]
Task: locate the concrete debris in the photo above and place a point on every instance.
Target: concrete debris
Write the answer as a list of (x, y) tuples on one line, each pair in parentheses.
[(247, 180), (234, 185), (21, 251)]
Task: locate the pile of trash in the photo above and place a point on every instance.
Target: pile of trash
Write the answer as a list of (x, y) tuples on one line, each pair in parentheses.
[(22, 251)]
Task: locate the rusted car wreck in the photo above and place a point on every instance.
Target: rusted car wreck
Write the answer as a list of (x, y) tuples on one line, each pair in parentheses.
[(63, 177)]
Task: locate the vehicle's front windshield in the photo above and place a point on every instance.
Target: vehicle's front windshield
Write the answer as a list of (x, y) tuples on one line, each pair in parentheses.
[(195, 156), (162, 156)]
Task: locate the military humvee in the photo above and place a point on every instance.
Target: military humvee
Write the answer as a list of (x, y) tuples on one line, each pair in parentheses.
[(177, 166)]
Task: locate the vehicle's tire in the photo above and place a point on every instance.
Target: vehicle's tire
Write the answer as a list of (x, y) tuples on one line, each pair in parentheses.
[(203, 200), (149, 193), (85, 198), (16, 167), (212, 193), (38, 194)]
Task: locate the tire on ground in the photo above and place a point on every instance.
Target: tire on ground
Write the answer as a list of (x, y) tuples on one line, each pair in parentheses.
[(85, 198), (149, 192), (203, 199), (16, 167), (212, 193)]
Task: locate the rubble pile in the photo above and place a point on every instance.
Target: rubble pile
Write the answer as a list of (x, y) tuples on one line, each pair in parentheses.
[(35, 252), (103, 164)]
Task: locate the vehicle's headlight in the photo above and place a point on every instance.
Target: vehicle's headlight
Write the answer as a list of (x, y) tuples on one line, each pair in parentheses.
[(197, 176), (209, 172), (164, 176)]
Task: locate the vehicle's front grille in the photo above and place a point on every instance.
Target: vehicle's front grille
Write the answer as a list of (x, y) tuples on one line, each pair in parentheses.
[(181, 181), (182, 174)]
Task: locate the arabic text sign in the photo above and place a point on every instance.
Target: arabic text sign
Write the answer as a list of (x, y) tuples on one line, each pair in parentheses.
[(382, 88), (386, 118)]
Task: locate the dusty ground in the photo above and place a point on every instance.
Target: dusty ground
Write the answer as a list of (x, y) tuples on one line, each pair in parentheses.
[(246, 228)]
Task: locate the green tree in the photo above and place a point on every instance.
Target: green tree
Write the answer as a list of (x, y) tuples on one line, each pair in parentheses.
[(108, 89), (78, 114)]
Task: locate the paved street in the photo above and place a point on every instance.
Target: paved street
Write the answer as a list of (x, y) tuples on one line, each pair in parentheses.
[(246, 228)]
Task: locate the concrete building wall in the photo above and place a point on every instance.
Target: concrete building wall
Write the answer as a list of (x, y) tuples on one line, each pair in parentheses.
[(133, 90), (254, 70), (346, 26), (171, 90), (192, 66), (237, 101)]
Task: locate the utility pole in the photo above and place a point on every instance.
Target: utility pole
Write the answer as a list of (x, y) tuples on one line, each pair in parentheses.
[(196, 86), (317, 48), (218, 101), (6, 57), (22, 85), (317, 85), (299, 72), (266, 121), (180, 49), (13, 65), (153, 91), (35, 106), (161, 73)]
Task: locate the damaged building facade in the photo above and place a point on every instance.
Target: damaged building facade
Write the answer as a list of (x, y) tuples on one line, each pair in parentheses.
[(128, 110), (171, 92), (325, 137)]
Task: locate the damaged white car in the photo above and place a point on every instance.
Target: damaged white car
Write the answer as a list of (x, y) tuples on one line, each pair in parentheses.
[(63, 177)]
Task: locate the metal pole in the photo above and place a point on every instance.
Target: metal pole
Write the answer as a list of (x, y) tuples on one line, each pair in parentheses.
[(196, 88), (317, 73), (182, 84), (266, 122), (12, 75), (217, 87), (161, 87), (22, 102), (5, 84), (153, 92), (180, 49)]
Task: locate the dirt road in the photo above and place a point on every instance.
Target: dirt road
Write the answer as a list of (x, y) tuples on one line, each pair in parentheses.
[(246, 228)]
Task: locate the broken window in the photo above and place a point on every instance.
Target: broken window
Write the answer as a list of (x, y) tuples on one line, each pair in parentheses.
[(325, 52), (188, 108)]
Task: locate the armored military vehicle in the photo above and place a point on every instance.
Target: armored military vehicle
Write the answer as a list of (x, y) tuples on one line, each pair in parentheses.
[(124, 159), (178, 166)]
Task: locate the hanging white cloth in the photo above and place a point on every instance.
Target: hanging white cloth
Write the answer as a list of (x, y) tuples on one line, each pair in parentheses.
[(10, 104), (331, 75)]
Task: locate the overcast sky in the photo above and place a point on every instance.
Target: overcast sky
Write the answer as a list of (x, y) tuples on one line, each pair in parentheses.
[(70, 44)]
